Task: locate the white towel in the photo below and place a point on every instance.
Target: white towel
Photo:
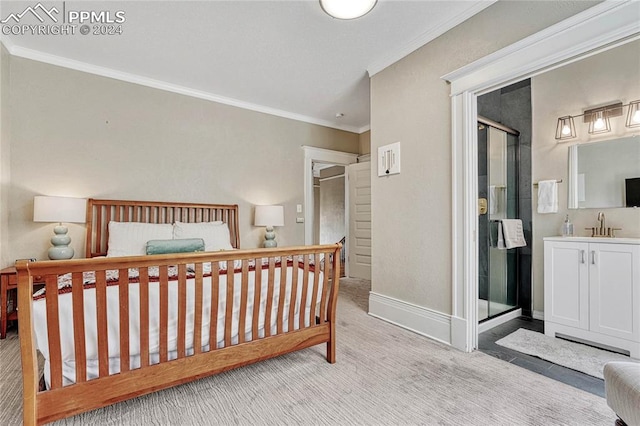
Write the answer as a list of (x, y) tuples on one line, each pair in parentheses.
[(511, 234), (547, 196), (493, 199)]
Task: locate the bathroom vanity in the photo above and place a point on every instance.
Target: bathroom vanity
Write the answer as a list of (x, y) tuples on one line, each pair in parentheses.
[(592, 290)]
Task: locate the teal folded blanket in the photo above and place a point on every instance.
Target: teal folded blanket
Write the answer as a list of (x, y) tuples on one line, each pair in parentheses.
[(186, 245)]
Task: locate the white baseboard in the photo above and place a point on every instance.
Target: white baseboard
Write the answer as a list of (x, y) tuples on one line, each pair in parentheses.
[(459, 331), (424, 321), (539, 315), (494, 322)]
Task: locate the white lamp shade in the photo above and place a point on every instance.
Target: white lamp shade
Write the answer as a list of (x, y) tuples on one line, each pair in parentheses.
[(59, 209), (347, 9), (269, 216)]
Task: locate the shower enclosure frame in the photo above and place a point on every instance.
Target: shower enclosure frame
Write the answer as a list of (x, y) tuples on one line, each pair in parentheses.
[(493, 319)]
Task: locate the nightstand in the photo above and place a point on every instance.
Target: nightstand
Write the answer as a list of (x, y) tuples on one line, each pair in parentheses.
[(8, 298)]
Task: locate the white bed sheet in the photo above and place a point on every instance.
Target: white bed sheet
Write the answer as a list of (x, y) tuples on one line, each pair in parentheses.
[(65, 311)]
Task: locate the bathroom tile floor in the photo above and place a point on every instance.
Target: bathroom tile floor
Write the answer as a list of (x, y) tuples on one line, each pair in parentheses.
[(487, 344)]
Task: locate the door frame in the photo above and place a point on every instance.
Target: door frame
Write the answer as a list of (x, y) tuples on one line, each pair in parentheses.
[(321, 155), (599, 28)]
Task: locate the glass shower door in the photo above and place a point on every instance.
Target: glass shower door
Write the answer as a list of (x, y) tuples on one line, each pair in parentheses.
[(498, 161), (498, 192)]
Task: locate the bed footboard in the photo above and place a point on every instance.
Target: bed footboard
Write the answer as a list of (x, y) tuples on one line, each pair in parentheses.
[(173, 319)]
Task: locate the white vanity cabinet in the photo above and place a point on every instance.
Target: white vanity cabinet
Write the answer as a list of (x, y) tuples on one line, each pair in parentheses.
[(592, 290)]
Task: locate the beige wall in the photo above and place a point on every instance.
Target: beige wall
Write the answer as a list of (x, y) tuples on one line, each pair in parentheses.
[(78, 134), (365, 142), (601, 79), (4, 154), (410, 103)]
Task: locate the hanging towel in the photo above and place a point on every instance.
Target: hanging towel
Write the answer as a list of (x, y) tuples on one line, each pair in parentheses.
[(495, 233), (493, 199), (547, 196), (500, 245), (511, 234)]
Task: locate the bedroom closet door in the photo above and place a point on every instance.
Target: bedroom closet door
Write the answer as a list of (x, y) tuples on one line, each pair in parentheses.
[(359, 250)]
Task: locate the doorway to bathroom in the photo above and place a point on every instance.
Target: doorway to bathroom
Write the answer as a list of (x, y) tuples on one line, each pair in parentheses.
[(504, 194)]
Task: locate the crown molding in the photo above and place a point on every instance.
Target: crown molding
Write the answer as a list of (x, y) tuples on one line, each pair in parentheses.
[(364, 129), (60, 61), (8, 44), (426, 37)]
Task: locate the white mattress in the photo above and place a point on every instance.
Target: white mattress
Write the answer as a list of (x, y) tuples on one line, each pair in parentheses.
[(91, 335)]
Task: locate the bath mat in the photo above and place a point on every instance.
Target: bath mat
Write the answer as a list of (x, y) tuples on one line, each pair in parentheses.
[(575, 356)]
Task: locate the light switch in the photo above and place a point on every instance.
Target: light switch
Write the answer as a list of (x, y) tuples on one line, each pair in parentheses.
[(389, 159), (298, 208)]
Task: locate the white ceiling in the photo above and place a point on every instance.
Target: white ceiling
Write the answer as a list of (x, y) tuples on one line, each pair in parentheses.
[(281, 57)]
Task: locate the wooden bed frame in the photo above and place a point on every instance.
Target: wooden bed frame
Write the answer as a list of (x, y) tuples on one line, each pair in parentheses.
[(42, 406)]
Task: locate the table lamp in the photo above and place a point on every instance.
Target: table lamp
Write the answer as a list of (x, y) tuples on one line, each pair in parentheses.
[(59, 209), (269, 216)]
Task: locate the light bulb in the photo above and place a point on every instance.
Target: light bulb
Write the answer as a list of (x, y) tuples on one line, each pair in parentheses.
[(599, 124), (566, 130)]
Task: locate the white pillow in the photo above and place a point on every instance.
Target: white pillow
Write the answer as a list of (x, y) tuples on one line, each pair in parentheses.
[(215, 234), (130, 238)]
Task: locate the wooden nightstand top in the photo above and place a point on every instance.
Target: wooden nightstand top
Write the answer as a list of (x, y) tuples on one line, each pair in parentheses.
[(9, 270), (10, 274), (9, 277)]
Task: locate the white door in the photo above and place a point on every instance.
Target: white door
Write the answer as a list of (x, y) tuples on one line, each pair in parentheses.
[(614, 273), (359, 249)]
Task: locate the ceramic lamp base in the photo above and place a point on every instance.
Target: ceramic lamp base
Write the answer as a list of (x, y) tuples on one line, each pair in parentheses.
[(270, 238), (60, 241)]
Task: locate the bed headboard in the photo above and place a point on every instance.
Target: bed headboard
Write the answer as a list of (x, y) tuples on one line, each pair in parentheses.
[(101, 212)]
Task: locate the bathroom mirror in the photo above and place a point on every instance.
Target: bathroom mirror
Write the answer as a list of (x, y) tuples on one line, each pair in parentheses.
[(598, 172)]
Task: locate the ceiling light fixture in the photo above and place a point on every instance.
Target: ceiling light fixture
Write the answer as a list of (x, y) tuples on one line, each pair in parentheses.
[(347, 9)]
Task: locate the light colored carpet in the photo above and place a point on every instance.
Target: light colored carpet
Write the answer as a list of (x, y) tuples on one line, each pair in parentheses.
[(384, 375), (575, 356)]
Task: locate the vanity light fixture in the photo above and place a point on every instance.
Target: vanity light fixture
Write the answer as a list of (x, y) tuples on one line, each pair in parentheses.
[(565, 129), (599, 122), (598, 119), (347, 9), (633, 116)]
